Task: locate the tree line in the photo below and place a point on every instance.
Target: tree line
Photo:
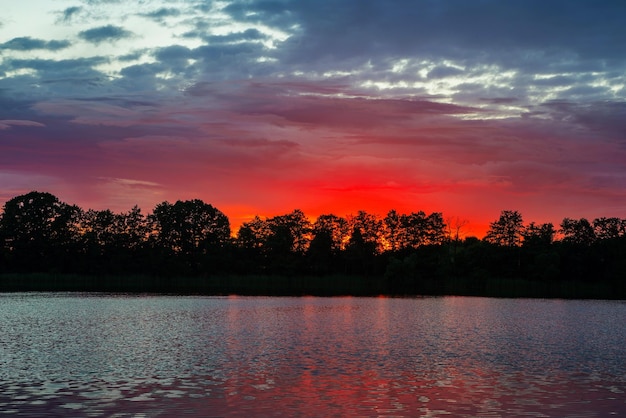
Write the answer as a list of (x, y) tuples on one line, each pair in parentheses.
[(407, 253)]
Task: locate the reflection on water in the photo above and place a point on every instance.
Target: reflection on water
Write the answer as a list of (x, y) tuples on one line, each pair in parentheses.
[(107, 355)]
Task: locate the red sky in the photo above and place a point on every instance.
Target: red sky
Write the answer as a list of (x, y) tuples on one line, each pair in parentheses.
[(263, 109)]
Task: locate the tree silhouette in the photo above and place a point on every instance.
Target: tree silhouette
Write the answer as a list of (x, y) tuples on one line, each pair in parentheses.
[(538, 235), (578, 231), (189, 227), (131, 229), (609, 228), (394, 231), (370, 230), (294, 227), (191, 236), (254, 233), (322, 252), (113, 242), (360, 253), (334, 226), (99, 231), (507, 230), (402, 253), (38, 229)]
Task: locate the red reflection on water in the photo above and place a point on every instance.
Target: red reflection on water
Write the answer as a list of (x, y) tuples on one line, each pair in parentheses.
[(337, 381), (369, 394), (366, 393)]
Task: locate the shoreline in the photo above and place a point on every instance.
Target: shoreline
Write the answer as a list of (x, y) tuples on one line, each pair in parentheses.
[(333, 285)]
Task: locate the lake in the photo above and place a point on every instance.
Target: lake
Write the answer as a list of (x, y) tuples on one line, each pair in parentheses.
[(96, 355)]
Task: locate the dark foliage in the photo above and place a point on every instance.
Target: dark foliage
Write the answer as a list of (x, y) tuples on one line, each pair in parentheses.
[(411, 253)]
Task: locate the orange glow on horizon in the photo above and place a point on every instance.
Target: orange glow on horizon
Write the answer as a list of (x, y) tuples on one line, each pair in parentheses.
[(476, 228)]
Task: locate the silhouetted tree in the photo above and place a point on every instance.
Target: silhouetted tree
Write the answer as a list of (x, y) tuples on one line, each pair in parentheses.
[(435, 229), (253, 234), (321, 253), (189, 227), (507, 230), (40, 231), (360, 253), (577, 231), (251, 246), (193, 231), (416, 229), (538, 235), (334, 226), (540, 260), (370, 228), (454, 227), (609, 228), (131, 229), (287, 242), (401, 252), (395, 235), (295, 227), (99, 230)]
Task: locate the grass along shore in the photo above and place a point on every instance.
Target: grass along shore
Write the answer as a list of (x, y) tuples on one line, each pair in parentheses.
[(332, 285)]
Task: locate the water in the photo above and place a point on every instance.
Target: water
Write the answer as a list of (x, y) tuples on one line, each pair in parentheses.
[(120, 355)]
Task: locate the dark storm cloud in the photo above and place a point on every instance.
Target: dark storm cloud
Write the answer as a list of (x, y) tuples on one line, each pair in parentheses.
[(29, 44), (105, 33)]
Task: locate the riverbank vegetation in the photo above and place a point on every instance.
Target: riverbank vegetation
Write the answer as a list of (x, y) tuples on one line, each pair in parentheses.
[(188, 247)]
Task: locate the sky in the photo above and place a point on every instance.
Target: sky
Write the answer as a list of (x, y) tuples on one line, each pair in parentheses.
[(260, 107)]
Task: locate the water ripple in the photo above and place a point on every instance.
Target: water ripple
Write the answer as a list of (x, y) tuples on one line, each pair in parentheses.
[(113, 355)]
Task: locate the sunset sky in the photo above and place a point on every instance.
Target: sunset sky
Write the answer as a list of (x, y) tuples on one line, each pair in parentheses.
[(466, 107)]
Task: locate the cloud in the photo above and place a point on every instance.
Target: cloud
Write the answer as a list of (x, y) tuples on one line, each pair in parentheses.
[(313, 109), (108, 33), (532, 34), (173, 52), (131, 182), (103, 2), (51, 77), (52, 65), (28, 44), (249, 35), (8, 123), (500, 100), (281, 102), (160, 14), (606, 117), (444, 71), (258, 143), (70, 13)]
